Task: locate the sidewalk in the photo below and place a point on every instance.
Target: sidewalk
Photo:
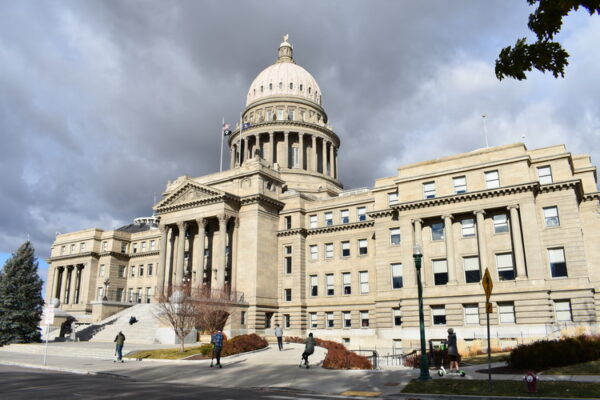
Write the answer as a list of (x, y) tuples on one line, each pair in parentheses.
[(269, 368)]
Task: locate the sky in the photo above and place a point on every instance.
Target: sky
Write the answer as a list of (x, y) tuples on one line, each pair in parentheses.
[(103, 102)]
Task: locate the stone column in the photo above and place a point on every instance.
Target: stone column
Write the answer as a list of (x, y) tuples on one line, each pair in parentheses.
[(336, 164), (271, 156), (417, 234), (73, 282), (232, 156), (449, 249), (171, 258), (323, 156), (481, 240), (222, 264), (55, 274), (77, 291), (179, 275), (233, 253), (515, 230), (331, 174), (286, 140), (68, 283), (240, 154), (162, 260), (314, 153), (198, 253), (301, 149), (63, 285)]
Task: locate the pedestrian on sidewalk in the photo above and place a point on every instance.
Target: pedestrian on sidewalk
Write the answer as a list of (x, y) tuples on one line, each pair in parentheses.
[(309, 348), (279, 336), (452, 350), (120, 341), (217, 341)]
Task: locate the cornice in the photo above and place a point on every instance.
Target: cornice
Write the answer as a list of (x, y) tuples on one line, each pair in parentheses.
[(292, 232), (382, 213), (470, 196), (72, 256), (195, 203), (144, 254), (279, 125), (261, 198), (114, 254), (558, 186), (591, 196), (341, 227)]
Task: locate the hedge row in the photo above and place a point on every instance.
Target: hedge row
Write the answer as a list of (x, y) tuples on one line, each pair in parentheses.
[(338, 357), (236, 345), (555, 353)]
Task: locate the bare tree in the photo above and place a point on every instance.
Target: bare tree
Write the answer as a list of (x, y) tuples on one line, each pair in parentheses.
[(184, 308)]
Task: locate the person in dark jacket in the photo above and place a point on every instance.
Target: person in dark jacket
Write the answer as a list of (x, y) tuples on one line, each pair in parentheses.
[(309, 348), (120, 341), (452, 350), (217, 341)]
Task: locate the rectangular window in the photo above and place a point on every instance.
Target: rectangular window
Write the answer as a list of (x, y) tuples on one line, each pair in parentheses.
[(143, 246), (122, 271), (345, 216), (439, 315), (269, 115), (429, 190), (397, 276), (364, 319), (345, 249), (314, 286), (100, 294), (268, 319), (280, 115), (364, 282), (132, 268), (395, 236), (545, 175), (313, 320), (152, 245), (468, 227), (123, 247), (63, 250), (141, 270), (287, 321), (492, 179), (362, 247), (73, 248), (138, 297), (288, 222), (312, 221), (347, 319), (287, 260), (505, 267), (120, 292), (329, 250), (506, 312), (150, 269), (290, 115), (135, 248), (330, 287), (471, 314), (243, 318), (328, 218), (314, 252), (562, 309), (101, 270), (393, 198), (500, 223), (361, 213), (287, 294), (551, 216), (347, 282), (437, 231), (130, 295), (440, 272), (472, 272), (558, 266), (329, 319), (82, 247), (397, 316), (148, 294), (460, 184)]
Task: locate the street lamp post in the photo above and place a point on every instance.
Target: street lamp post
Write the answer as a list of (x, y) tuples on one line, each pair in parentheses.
[(418, 255)]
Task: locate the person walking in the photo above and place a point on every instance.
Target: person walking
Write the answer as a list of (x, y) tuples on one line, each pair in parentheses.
[(217, 341), (452, 350), (279, 336), (309, 348), (120, 341)]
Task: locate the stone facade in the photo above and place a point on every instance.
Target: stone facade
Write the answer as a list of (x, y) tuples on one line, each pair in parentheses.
[(278, 228)]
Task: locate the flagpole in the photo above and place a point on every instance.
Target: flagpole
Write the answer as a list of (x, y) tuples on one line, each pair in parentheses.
[(221, 162)]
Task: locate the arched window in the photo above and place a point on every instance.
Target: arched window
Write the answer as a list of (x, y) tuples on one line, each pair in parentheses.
[(291, 85), (270, 86), (254, 91), (280, 85), (300, 87), (309, 90), (261, 88)]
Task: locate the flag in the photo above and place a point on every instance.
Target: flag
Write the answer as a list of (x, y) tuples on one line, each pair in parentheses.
[(246, 125), (226, 130)]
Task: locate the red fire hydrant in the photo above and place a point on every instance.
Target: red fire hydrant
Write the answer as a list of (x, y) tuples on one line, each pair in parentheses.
[(531, 382)]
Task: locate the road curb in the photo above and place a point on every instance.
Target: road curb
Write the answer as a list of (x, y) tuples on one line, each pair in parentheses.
[(48, 368)]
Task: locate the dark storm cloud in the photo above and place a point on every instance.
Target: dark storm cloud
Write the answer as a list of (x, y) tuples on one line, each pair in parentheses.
[(102, 102)]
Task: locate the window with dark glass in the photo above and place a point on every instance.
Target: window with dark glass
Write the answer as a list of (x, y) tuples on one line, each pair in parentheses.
[(437, 231), (397, 282), (395, 236), (558, 266), (505, 267), (472, 272), (347, 282), (440, 272)]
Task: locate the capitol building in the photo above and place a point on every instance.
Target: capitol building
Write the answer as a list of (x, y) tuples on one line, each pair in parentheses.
[(278, 228)]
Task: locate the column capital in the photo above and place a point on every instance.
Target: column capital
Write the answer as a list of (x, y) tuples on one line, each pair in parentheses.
[(223, 218), (476, 212), (416, 221), (286, 133), (182, 225), (163, 228), (448, 217), (201, 221), (300, 134), (512, 207)]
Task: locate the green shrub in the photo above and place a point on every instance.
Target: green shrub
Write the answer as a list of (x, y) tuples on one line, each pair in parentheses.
[(555, 353), (338, 357), (205, 349)]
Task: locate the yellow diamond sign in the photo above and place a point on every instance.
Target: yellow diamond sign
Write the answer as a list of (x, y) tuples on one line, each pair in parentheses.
[(488, 285)]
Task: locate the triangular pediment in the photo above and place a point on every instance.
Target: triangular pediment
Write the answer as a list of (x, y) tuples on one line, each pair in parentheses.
[(188, 192)]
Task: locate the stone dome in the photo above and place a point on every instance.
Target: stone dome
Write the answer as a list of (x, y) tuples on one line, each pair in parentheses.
[(284, 79)]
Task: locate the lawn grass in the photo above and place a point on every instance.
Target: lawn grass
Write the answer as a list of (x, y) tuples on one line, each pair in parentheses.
[(482, 358), (166, 354), (462, 386), (586, 368)]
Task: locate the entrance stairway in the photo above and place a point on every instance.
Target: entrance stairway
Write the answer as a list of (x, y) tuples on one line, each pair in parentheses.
[(143, 331)]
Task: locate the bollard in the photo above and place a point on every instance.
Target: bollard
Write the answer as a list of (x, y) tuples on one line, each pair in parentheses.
[(531, 382)]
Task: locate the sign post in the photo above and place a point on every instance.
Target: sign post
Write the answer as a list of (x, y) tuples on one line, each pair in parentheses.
[(48, 320), (488, 285)]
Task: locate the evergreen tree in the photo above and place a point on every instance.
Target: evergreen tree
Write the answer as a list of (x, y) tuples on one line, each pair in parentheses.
[(21, 299)]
